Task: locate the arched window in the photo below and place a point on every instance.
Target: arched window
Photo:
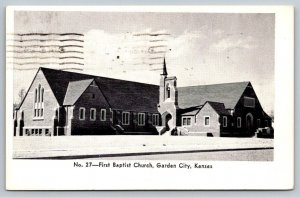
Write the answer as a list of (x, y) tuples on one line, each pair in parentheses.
[(39, 91), (42, 95), (38, 111), (35, 96), (168, 91)]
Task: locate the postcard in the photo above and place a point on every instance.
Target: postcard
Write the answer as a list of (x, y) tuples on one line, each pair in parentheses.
[(149, 98)]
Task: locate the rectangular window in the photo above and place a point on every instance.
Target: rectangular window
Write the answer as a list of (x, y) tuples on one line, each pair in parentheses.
[(155, 119), (186, 121), (239, 122), (47, 132), (42, 112), (103, 115), (112, 116), (183, 121), (258, 123), (267, 123), (40, 131), (92, 114), (125, 118), (224, 121), (81, 113), (141, 119), (249, 102), (206, 121)]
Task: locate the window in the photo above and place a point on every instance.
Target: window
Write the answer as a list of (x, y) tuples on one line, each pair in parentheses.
[(92, 114), (206, 121), (39, 93), (47, 132), (239, 122), (224, 121), (249, 102), (155, 119), (103, 115), (125, 118), (35, 96), (93, 96), (42, 95), (141, 119), (186, 121), (38, 109), (40, 132), (168, 91), (112, 116), (258, 123), (267, 123), (81, 113)]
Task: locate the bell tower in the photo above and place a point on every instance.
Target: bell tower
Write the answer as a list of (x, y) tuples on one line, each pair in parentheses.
[(168, 99)]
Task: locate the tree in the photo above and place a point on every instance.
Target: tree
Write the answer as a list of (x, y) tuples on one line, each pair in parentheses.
[(21, 94)]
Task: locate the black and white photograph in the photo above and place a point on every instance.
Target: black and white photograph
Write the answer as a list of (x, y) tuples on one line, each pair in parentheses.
[(142, 88)]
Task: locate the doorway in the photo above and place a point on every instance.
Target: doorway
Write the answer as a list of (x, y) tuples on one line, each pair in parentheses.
[(249, 122), (167, 121)]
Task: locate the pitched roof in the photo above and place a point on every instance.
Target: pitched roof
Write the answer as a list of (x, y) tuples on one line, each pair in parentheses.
[(227, 93), (191, 112), (75, 90), (121, 94), (219, 108), (139, 96)]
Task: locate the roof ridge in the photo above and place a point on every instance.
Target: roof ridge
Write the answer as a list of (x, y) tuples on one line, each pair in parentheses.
[(95, 76), (214, 102), (215, 84)]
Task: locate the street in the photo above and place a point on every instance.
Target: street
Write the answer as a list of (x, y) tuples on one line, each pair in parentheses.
[(235, 155)]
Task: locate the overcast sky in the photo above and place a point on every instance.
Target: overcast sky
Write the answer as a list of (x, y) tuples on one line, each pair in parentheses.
[(200, 48)]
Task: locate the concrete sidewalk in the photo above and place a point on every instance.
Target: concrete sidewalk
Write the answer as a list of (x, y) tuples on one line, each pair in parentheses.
[(75, 147)]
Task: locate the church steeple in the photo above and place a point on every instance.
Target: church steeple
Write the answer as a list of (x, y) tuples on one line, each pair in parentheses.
[(168, 100), (165, 73)]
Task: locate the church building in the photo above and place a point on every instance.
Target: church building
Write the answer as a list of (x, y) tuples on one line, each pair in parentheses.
[(61, 103)]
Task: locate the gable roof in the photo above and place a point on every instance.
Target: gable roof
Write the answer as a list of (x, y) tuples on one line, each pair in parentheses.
[(121, 94), (219, 108), (75, 90), (133, 96), (227, 93), (191, 112)]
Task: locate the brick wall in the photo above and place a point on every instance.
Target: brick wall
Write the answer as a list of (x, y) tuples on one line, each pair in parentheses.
[(134, 127), (242, 111), (91, 98), (49, 102), (198, 128)]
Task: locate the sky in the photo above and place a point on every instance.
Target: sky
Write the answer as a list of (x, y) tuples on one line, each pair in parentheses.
[(199, 48)]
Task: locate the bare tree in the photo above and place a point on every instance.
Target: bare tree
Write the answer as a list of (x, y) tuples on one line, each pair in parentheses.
[(21, 94)]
